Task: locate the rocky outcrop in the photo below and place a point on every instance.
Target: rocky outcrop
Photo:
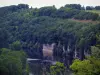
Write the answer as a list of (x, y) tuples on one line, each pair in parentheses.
[(48, 51)]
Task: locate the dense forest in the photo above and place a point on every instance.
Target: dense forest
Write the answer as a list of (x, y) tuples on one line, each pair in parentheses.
[(24, 30)]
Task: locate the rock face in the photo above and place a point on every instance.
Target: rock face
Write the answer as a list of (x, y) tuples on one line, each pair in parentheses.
[(63, 52), (48, 51)]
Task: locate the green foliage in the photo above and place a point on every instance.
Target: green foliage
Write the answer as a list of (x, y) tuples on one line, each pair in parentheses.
[(98, 39), (57, 69), (89, 8), (3, 38), (16, 45), (29, 28), (86, 16), (47, 11), (89, 66), (12, 62), (86, 67), (82, 67), (74, 6), (95, 52), (97, 7), (94, 11)]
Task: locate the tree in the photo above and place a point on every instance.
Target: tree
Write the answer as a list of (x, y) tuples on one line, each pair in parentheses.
[(23, 6), (89, 66), (97, 7), (3, 38), (89, 8), (82, 67), (98, 39), (16, 45), (95, 52), (12, 62), (74, 6), (57, 69), (47, 11)]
